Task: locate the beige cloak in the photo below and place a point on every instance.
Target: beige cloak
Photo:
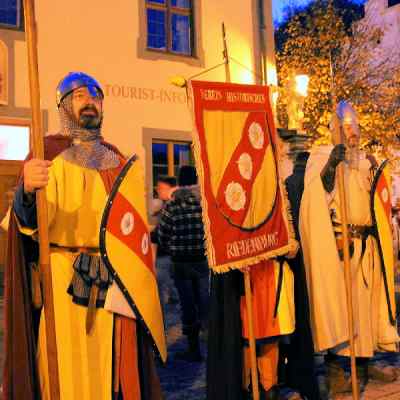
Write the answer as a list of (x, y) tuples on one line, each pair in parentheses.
[(324, 269)]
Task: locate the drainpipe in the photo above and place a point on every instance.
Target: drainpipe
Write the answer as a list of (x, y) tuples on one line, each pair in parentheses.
[(267, 41)]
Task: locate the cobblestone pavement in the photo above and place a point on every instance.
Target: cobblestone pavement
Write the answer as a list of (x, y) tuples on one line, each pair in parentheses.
[(181, 380), (186, 381), (374, 390)]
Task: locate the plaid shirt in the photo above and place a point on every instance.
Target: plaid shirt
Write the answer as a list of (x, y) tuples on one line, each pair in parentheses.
[(180, 230)]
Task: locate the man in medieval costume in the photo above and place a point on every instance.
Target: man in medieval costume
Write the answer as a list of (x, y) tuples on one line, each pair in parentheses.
[(322, 244), (297, 369), (78, 172)]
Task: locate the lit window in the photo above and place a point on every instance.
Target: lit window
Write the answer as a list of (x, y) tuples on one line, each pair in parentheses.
[(160, 160), (170, 26), (169, 156), (182, 156), (10, 13), (14, 142), (392, 3)]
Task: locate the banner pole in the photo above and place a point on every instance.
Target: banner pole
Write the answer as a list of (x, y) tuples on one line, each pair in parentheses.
[(347, 272), (246, 273), (41, 202), (338, 135)]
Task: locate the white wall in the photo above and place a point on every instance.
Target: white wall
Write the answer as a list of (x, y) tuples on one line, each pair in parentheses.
[(377, 12), (388, 18), (100, 37)]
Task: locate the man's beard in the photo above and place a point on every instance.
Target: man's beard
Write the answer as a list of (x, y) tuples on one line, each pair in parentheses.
[(353, 142), (353, 155), (90, 121)]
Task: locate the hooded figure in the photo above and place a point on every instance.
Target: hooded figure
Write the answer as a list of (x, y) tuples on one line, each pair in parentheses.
[(77, 176), (297, 356)]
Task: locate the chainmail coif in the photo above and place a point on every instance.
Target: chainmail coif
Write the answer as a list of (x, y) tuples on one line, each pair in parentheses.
[(86, 150)]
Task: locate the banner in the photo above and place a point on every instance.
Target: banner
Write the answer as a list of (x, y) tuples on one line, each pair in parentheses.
[(244, 205)]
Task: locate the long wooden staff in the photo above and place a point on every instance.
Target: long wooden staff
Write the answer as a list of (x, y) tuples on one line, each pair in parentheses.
[(38, 152), (339, 139), (246, 273), (347, 262)]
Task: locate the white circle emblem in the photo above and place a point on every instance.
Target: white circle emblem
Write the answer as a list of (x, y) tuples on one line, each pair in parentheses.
[(245, 164), (145, 244), (127, 223), (385, 195), (256, 135), (235, 196)]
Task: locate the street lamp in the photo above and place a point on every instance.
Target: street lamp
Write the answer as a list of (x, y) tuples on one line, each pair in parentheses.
[(302, 82), (299, 90)]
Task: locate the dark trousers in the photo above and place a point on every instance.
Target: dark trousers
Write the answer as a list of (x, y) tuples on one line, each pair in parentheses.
[(299, 371), (192, 282)]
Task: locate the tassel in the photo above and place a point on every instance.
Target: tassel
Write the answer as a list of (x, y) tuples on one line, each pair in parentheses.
[(91, 311)]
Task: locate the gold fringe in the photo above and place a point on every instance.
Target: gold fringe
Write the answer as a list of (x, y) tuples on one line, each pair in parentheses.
[(210, 252), (288, 216), (248, 262)]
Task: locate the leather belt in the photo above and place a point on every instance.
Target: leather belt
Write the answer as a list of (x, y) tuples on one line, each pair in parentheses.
[(70, 249)]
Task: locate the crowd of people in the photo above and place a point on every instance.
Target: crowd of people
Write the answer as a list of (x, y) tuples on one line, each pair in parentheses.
[(319, 285), (111, 355)]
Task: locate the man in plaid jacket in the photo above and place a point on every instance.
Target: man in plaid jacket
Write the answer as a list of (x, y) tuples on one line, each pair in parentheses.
[(180, 231)]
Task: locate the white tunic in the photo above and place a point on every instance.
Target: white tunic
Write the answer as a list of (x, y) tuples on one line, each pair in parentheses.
[(325, 273)]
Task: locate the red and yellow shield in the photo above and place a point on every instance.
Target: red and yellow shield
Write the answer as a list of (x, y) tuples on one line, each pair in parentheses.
[(244, 207), (382, 219), (125, 249)]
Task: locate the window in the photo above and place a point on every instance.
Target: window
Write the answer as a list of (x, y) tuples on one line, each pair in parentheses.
[(170, 26), (392, 3), (14, 140), (10, 14), (169, 156)]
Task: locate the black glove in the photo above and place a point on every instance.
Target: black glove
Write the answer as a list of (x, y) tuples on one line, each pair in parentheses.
[(337, 155)]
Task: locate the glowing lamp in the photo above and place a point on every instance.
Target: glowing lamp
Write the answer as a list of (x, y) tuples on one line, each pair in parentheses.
[(179, 81), (301, 82)]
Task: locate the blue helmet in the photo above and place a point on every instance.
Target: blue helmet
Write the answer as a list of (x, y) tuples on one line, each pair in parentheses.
[(75, 80), (346, 113)]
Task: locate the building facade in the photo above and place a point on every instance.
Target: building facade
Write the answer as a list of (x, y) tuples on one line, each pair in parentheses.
[(386, 15), (133, 48)]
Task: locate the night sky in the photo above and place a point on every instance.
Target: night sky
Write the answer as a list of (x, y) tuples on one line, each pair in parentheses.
[(279, 5)]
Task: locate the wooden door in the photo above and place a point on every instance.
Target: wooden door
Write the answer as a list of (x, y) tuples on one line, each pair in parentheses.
[(9, 171)]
